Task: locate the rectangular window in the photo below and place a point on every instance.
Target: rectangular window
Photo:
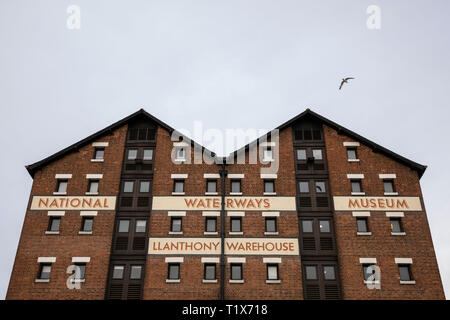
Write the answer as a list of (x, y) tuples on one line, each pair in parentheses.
[(136, 272), (211, 224), (356, 186), (329, 273), (178, 186), (211, 186), (118, 272), (388, 186), (54, 224), (174, 271), (317, 154), (144, 187), (141, 226), (320, 187), (301, 154), (99, 153), (235, 185), (396, 225), (272, 272), (148, 154), (362, 225), (236, 272), (62, 186), (304, 186), (405, 272), (44, 271), (269, 186), (236, 225), (175, 225), (132, 154), (367, 272), (86, 224), (307, 226), (324, 226), (124, 225), (80, 271), (351, 154), (210, 272), (271, 224), (311, 272), (93, 186), (128, 186)]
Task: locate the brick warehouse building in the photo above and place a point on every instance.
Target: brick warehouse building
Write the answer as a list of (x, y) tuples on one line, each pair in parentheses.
[(137, 225)]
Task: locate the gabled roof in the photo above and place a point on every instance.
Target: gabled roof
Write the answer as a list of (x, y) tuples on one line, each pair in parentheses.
[(340, 129), (142, 113)]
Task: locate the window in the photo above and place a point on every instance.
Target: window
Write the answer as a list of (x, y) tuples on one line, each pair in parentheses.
[(366, 272), (317, 154), (211, 224), (174, 271), (301, 154), (329, 273), (132, 154), (320, 187), (144, 187), (210, 272), (128, 186), (268, 154), (272, 272), (93, 186), (86, 224), (80, 271), (236, 272), (362, 225), (311, 272), (304, 186), (54, 224), (99, 153), (118, 272), (44, 271), (148, 154), (356, 186), (175, 225), (271, 224), (235, 185), (396, 225), (178, 186), (351, 154), (141, 225), (307, 226), (136, 272), (211, 186), (236, 225), (388, 186), (405, 272), (269, 186), (180, 154), (62, 186), (124, 225), (324, 226)]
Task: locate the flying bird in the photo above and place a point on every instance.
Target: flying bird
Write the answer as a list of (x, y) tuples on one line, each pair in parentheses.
[(345, 80)]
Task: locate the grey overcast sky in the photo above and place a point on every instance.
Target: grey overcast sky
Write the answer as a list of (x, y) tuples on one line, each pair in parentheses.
[(230, 64)]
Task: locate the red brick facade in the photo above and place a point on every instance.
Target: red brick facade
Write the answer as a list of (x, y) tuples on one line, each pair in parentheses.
[(34, 243)]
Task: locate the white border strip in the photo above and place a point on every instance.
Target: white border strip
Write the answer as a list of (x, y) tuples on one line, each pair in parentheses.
[(63, 176), (403, 260), (210, 260), (236, 213), (236, 260), (178, 176), (94, 176), (271, 214), (81, 259), (351, 144), (46, 259), (176, 213), (395, 214), (355, 176), (361, 213), (56, 213), (100, 144), (269, 175), (211, 213), (211, 176), (174, 259), (235, 176), (271, 260), (388, 176), (88, 213), (368, 260)]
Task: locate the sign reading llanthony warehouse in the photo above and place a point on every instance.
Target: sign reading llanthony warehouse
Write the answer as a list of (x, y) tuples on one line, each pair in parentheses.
[(377, 204), (231, 203), (73, 203), (233, 246)]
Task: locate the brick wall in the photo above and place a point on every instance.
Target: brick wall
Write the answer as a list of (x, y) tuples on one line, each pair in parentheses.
[(35, 243), (416, 244)]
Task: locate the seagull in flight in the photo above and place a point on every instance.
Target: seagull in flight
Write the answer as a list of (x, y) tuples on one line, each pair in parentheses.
[(345, 80)]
